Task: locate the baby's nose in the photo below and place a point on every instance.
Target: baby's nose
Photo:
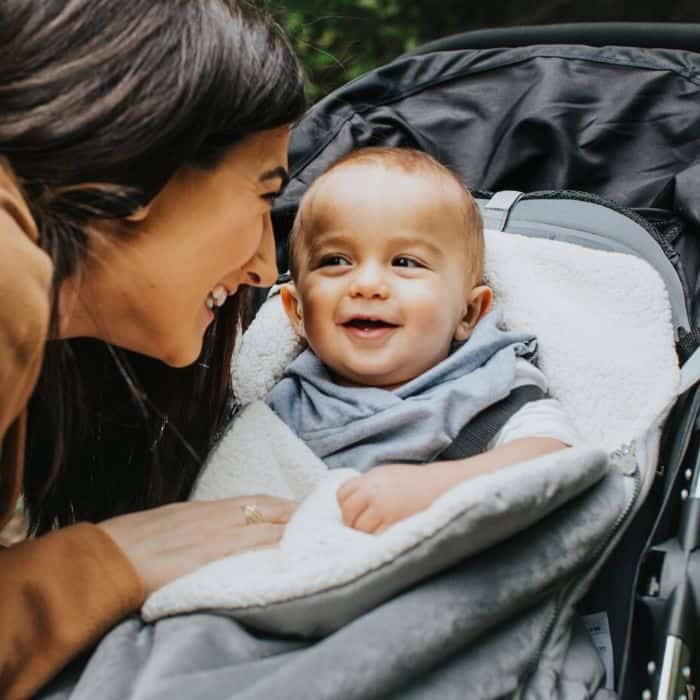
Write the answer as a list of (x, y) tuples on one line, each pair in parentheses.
[(369, 283)]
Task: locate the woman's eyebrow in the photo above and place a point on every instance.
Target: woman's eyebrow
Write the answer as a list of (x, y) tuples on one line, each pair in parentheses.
[(278, 172)]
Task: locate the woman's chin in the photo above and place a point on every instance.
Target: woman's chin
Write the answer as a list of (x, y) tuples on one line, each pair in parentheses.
[(182, 356)]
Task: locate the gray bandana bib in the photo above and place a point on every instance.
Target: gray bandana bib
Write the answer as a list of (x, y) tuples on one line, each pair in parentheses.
[(361, 427)]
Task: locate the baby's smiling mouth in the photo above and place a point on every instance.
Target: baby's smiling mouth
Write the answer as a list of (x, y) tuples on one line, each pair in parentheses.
[(369, 323)]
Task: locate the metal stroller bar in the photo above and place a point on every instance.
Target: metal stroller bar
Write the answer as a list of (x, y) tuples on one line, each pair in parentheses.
[(672, 593), (675, 676), (675, 672)]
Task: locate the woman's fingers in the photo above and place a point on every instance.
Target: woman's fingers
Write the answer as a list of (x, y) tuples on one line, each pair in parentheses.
[(237, 540), (255, 537), (270, 508), (169, 542)]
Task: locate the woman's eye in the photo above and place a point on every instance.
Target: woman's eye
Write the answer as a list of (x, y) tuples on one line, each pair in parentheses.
[(270, 197), (332, 260), (403, 261)]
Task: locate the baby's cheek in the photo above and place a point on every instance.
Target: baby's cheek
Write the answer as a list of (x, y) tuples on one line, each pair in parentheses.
[(435, 315)]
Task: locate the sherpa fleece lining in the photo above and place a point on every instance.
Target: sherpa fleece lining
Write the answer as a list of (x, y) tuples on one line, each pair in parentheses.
[(605, 335)]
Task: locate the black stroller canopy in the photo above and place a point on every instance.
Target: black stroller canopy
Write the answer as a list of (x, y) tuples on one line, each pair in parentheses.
[(652, 35), (620, 122)]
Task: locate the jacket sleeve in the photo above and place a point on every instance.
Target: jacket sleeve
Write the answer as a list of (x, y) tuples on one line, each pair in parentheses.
[(59, 594)]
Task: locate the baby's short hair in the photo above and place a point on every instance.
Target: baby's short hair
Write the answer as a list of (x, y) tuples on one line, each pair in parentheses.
[(408, 160)]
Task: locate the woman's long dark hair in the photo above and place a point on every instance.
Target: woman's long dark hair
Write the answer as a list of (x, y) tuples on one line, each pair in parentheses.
[(100, 103)]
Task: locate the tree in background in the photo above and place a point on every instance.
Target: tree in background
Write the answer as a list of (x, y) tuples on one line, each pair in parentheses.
[(338, 40)]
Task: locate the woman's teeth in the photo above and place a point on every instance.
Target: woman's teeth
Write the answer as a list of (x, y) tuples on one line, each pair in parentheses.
[(217, 297)]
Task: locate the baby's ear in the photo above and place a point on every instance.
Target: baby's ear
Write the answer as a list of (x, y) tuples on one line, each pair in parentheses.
[(478, 305), (292, 307)]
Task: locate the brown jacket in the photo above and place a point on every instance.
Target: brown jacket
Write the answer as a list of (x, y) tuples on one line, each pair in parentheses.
[(61, 592)]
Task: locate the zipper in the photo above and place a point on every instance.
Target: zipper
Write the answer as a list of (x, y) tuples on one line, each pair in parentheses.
[(625, 459)]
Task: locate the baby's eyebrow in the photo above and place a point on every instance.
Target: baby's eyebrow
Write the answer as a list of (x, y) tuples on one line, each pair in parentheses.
[(326, 241), (413, 242)]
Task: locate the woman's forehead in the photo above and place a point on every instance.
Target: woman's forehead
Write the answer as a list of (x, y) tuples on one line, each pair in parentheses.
[(263, 153)]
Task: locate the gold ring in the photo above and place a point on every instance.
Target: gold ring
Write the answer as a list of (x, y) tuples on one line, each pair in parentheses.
[(252, 514)]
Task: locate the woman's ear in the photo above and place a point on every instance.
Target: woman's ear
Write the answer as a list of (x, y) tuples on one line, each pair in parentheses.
[(140, 214), (292, 307), (478, 305)]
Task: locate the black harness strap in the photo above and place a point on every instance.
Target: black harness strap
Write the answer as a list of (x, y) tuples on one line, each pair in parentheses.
[(476, 435)]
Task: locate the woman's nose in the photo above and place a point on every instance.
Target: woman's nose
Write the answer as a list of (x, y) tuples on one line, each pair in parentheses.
[(368, 282), (261, 270)]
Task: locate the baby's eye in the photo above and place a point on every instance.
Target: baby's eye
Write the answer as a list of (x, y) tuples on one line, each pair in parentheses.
[(333, 260), (403, 261)]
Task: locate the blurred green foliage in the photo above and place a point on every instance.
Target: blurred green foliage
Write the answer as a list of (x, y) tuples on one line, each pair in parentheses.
[(338, 40)]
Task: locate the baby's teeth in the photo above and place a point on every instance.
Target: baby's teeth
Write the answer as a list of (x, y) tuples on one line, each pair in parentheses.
[(209, 302)]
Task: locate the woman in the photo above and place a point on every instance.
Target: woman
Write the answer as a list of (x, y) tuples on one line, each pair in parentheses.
[(140, 150)]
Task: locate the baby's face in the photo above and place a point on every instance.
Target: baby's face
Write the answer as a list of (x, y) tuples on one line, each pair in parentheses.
[(384, 277)]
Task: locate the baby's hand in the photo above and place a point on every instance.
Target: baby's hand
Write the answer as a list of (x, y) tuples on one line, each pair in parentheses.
[(386, 494)]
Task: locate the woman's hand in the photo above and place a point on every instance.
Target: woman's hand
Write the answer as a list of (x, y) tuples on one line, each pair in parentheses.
[(168, 542)]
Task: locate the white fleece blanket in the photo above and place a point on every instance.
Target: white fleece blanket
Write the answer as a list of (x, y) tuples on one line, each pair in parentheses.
[(606, 345)]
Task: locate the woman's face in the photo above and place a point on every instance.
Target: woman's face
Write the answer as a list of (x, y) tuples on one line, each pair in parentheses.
[(203, 235)]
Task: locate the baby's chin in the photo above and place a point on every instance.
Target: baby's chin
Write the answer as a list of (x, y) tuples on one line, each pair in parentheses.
[(387, 382)]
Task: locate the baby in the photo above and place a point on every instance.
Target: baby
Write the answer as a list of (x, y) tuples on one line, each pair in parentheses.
[(386, 259)]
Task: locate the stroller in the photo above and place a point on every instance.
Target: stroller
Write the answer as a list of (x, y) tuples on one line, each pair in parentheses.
[(586, 135), (519, 119)]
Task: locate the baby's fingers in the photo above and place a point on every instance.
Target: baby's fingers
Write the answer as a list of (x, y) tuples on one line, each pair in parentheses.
[(347, 489), (369, 521), (352, 507)]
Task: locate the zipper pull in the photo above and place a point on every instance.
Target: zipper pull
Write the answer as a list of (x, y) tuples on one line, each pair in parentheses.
[(625, 458)]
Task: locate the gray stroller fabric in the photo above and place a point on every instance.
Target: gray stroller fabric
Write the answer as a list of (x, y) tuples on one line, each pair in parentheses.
[(481, 629)]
